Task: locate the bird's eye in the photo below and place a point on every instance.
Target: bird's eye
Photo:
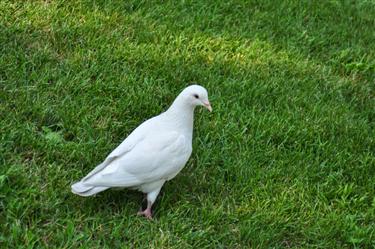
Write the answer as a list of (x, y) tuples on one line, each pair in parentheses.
[(196, 96)]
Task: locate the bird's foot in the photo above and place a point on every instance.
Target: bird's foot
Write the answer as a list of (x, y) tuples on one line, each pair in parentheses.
[(146, 213)]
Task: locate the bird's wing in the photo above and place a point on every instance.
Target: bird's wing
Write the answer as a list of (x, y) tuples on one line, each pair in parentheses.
[(163, 158), (127, 145), (156, 157)]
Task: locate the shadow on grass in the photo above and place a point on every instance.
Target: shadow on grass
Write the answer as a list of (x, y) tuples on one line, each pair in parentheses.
[(332, 33)]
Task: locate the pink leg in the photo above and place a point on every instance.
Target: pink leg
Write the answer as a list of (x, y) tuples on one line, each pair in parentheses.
[(151, 197), (147, 212)]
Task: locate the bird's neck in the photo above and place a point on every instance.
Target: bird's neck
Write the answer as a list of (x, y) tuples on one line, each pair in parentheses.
[(181, 114)]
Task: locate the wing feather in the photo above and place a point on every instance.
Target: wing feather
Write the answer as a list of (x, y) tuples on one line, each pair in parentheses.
[(154, 158), (127, 145)]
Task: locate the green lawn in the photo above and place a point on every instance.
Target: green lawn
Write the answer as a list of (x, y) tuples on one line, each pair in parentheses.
[(286, 160)]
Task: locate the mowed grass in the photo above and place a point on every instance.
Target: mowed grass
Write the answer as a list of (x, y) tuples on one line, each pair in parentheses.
[(286, 160)]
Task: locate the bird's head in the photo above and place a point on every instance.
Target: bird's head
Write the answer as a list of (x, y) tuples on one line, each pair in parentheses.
[(196, 95)]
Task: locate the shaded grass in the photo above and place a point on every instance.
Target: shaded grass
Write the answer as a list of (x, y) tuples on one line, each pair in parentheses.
[(286, 159)]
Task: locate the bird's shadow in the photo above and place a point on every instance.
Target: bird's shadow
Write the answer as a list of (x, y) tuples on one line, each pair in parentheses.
[(112, 200), (128, 201)]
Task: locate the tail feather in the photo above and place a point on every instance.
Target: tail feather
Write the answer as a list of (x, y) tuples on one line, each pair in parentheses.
[(80, 188)]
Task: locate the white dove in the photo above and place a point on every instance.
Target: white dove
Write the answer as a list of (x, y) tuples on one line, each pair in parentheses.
[(155, 152)]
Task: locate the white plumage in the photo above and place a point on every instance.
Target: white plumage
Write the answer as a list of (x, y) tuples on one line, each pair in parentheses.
[(155, 152)]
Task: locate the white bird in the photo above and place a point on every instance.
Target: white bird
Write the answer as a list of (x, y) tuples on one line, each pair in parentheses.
[(155, 152)]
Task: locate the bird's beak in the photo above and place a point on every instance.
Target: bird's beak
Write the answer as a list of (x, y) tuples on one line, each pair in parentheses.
[(208, 105)]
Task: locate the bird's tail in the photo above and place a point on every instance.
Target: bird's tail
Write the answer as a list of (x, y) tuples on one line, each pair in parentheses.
[(82, 189)]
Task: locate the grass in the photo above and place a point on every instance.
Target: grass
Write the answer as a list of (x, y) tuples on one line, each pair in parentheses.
[(286, 160)]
